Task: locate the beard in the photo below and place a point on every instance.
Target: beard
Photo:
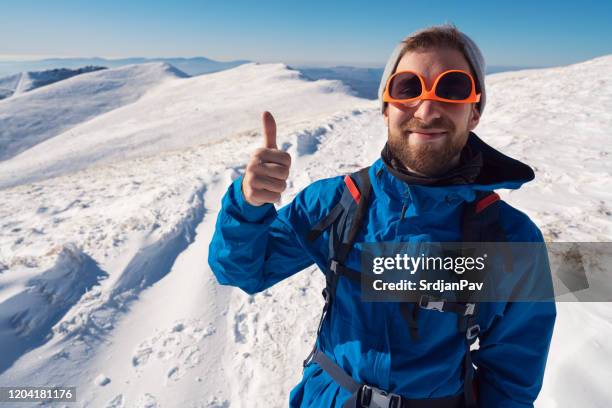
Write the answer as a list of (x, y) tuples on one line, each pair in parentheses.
[(429, 158)]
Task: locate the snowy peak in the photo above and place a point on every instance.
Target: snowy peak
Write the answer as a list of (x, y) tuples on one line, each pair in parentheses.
[(156, 69), (153, 72), (279, 74), (172, 70)]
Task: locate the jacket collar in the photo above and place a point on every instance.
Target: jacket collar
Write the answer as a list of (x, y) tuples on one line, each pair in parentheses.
[(465, 172), (497, 171)]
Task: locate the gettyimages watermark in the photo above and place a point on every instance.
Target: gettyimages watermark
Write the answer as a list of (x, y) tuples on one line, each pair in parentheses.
[(487, 271)]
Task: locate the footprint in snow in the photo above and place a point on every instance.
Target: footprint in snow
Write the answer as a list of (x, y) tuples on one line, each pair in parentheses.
[(116, 402), (214, 402), (181, 344), (146, 401), (173, 374), (141, 355)]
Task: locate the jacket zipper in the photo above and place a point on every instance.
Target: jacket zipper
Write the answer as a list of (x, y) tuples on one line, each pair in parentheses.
[(407, 199)]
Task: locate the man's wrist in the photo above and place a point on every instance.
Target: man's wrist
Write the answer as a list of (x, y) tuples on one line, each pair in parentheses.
[(244, 195), (250, 212)]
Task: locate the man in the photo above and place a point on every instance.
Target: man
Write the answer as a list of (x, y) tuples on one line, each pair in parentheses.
[(432, 171)]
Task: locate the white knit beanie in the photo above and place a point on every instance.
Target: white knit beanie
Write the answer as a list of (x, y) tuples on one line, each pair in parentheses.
[(472, 52)]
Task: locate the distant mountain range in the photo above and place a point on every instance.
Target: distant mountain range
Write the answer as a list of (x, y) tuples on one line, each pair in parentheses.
[(363, 81), (191, 66)]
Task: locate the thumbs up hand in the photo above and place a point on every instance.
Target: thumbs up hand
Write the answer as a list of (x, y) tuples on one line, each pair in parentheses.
[(267, 171)]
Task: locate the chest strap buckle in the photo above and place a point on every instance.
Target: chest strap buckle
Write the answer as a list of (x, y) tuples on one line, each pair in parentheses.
[(472, 332), (372, 397), (428, 303)]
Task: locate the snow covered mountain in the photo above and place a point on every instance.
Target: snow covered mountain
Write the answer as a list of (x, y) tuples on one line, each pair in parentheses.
[(175, 115), (105, 222), (29, 118)]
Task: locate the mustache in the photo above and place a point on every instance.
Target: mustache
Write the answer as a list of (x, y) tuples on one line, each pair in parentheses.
[(437, 123)]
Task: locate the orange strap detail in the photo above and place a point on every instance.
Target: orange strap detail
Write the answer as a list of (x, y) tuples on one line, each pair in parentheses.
[(487, 201), (352, 188)]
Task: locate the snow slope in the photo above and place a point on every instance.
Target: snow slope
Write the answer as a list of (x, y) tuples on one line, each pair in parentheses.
[(30, 118), (9, 84), (559, 120), (28, 80), (132, 205)]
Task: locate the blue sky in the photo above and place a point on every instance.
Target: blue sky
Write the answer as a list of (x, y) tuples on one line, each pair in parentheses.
[(519, 33)]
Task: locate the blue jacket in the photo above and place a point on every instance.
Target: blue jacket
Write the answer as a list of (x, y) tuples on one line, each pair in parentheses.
[(255, 247)]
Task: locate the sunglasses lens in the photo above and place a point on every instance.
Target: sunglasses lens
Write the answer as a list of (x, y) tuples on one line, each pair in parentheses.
[(405, 86), (455, 86)]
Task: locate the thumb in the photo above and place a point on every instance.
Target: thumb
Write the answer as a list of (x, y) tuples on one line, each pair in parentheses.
[(269, 125)]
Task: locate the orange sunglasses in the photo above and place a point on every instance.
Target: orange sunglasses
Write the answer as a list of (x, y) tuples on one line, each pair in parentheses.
[(453, 86)]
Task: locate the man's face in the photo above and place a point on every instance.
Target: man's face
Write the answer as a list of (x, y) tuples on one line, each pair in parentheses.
[(428, 136)]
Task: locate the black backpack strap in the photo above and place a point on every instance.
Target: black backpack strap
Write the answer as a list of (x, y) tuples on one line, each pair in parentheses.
[(361, 194), (481, 219), (363, 395), (345, 221), (480, 223), (357, 185), (326, 222), (410, 313)]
